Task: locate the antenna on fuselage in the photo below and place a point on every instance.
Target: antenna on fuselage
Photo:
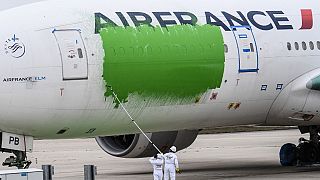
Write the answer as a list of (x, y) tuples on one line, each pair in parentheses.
[(132, 120)]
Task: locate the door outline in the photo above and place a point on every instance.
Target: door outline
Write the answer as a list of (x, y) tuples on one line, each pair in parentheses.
[(85, 55), (245, 70)]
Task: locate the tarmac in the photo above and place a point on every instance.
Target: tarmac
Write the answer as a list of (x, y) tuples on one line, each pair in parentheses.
[(248, 155)]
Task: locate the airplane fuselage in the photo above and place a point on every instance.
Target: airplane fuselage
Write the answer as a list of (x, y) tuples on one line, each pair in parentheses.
[(57, 59)]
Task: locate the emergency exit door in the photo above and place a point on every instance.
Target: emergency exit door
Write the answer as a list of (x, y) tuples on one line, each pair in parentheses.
[(73, 54), (247, 49)]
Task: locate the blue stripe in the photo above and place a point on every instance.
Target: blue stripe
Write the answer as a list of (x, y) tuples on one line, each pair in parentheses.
[(248, 70), (246, 50)]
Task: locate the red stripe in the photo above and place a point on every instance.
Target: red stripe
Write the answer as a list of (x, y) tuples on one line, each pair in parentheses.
[(307, 19)]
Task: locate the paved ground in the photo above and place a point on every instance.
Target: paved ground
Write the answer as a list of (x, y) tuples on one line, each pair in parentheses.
[(251, 155)]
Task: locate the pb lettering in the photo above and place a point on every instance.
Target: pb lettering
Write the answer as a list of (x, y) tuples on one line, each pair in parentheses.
[(14, 140)]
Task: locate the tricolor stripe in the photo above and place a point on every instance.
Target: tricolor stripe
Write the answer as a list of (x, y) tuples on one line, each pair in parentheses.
[(307, 19)]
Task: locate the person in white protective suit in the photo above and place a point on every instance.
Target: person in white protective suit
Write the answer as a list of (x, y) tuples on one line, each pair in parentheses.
[(157, 164), (171, 164)]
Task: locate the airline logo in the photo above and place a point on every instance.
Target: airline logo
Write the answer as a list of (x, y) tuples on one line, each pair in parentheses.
[(25, 79), (276, 19), (14, 47)]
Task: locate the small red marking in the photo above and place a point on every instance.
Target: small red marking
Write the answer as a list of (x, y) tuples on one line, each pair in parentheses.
[(307, 19)]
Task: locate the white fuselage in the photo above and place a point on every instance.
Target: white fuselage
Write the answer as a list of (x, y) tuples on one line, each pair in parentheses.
[(36, 100)]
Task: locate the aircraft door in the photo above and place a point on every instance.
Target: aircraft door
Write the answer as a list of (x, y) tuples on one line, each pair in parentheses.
[(247, 49), (73, 54)]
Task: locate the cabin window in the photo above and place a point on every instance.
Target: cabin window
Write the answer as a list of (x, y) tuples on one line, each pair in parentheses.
[(296, 45), (226, 48), (304, 45), (289, 46), (318, 45), (311, 45)]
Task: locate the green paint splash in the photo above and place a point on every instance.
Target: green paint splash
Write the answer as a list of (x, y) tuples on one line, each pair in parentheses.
[(173, 65)]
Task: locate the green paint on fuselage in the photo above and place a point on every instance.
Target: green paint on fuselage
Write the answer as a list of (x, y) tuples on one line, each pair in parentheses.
[(314, 84), (173, 65)]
